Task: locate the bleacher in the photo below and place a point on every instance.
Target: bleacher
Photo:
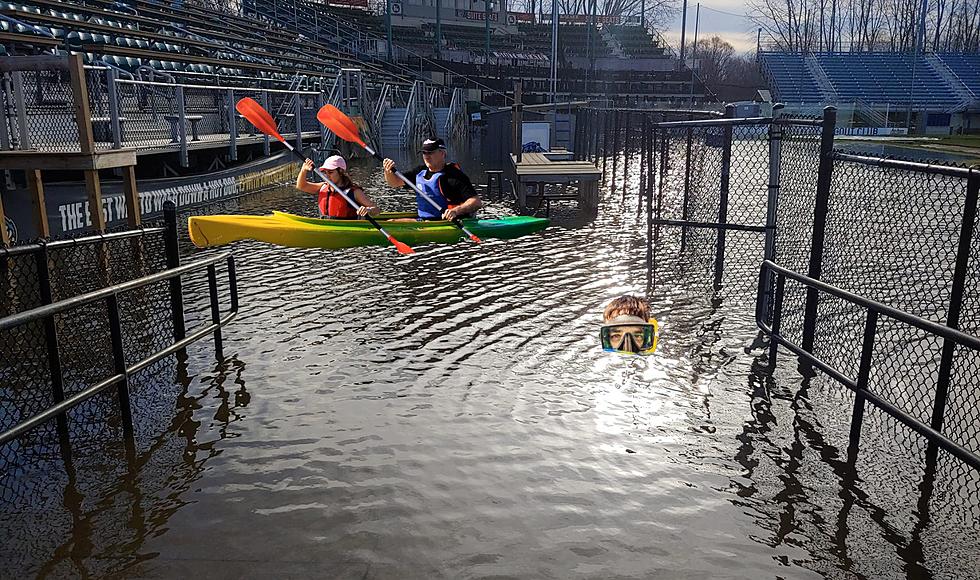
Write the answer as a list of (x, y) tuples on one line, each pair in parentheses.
[(573, 39), (886, 77), (279, 43), (875, 78), (790, 80), (187, 40), (636, 41), (965, 67)]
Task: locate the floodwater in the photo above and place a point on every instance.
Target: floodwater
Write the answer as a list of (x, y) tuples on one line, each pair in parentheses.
[(451, 415)]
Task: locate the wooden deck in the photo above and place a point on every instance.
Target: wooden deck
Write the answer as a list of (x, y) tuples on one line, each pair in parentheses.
[(536, 171)]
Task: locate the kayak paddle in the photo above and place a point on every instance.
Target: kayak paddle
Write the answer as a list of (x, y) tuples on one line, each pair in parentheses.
[(263, 121), (342, 126)]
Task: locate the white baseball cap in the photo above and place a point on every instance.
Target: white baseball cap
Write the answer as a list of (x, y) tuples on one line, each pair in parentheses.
[(334, 162)]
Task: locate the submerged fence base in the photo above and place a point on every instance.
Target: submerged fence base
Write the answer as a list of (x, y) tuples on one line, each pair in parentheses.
[(63, 346), (722, 196)]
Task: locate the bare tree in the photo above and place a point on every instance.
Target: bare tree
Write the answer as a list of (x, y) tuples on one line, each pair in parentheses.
[(860, 25)]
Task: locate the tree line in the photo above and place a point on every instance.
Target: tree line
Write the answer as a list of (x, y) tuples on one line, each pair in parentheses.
[(869, 25)]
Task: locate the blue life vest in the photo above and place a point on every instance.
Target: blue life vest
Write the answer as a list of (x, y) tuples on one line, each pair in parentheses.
[(431, 187)]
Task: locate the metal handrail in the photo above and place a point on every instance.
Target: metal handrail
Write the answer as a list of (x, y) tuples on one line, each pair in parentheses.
[(859, 385), (408, 123), (216, 87), (456, 118), (72, 242), (383, 104), (110, 295)]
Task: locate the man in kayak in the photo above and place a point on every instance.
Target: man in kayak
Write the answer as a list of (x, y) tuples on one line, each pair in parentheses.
[(627, 326), (444, 183), (333, 205)]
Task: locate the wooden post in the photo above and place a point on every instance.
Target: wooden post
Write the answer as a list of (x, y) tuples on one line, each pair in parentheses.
[(132, 196), (86, 140), (94, 188), (83, 115), (36, 188)]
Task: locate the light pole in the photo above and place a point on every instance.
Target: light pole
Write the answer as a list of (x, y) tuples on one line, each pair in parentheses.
[(486, 22), (388, 25)]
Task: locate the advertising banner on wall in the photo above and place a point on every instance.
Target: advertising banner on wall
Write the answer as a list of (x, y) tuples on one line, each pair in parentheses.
[(512, 17), (68, 207), (583, 18)]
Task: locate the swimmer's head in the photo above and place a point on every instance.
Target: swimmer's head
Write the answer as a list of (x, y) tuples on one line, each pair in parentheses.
[(627, 327), (627, 305)]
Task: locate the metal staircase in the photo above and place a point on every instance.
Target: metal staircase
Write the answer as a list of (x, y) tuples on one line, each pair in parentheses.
[(391, 126), (828, 94), (962, 92)]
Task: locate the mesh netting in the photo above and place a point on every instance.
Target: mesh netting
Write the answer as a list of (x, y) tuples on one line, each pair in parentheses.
[(83, 336)]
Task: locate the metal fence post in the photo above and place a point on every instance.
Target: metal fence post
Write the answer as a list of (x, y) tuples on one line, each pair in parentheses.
[(298, 116), (51, 341), (119, 365), (864, 373), (726, 171), (265, 138), (956, 293), (215, 312), (21, 108), (232, 127), (182, 126), (777, 317), (173, 261), (772, 204), (824, 174), (687, 182), (114, 108)]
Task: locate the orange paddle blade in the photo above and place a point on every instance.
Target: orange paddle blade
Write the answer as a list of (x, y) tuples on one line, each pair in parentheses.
[(343, 119), (402, 247), (340, 124), (258, 116)]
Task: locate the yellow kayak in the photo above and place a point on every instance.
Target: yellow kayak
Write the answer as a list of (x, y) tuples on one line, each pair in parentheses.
[(304, 232)]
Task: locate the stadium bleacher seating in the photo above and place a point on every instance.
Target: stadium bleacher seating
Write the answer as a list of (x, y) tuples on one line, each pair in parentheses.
[(874, 78), (277, 44), (966, 68), (636, 41), (790, 79)]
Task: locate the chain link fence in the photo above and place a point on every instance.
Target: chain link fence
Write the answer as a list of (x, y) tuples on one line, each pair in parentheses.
[(39, 111), (65, 270)]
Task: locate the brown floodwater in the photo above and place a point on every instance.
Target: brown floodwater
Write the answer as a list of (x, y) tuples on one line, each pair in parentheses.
[(451, 415)]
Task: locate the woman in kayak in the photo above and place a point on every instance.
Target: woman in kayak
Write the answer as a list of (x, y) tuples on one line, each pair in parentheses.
[(333, 205)]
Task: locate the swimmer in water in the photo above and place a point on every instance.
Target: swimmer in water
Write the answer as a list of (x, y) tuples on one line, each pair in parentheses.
[(627, 326)]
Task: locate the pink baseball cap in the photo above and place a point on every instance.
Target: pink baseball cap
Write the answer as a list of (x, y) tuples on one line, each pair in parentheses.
[(334, 162)]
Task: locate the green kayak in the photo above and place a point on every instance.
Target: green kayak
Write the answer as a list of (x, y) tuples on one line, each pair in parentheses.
[(308, 232)]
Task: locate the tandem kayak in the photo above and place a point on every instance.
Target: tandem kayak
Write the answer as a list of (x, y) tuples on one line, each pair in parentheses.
[(308, 232)]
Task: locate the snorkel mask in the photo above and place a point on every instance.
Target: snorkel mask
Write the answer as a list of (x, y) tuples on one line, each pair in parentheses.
[(629, 335)]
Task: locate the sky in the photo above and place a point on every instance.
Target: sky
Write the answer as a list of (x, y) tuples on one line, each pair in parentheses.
[(718, 17)]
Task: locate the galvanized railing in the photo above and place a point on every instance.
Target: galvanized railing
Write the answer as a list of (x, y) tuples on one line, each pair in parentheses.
[(951, 339), (456, 119), (407, 130)]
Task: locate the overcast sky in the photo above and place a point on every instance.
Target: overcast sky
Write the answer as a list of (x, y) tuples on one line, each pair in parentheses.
[(722, 17)]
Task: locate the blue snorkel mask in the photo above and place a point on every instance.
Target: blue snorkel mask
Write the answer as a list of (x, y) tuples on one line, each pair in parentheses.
[(629, 335)]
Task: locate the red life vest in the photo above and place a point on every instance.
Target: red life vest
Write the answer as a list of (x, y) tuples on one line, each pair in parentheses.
[(333, 205)]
